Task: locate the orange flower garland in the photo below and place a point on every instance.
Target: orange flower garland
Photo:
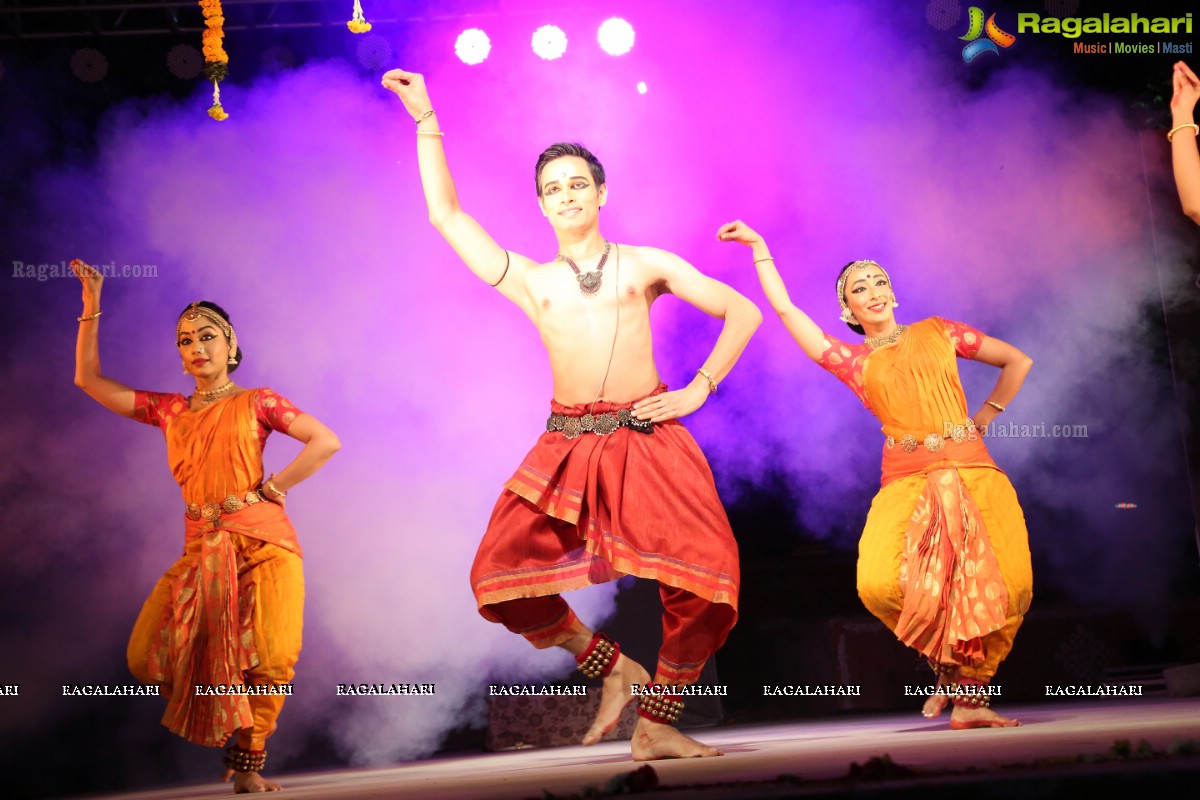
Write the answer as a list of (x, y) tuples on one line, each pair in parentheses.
[(358, 23), (216, 60)]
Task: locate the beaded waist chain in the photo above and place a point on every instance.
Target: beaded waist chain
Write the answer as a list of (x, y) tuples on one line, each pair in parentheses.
[(210, 511), (599, 424)]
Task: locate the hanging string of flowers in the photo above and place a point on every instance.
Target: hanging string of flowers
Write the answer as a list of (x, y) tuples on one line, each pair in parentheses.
[(358, 23), (216, 60)]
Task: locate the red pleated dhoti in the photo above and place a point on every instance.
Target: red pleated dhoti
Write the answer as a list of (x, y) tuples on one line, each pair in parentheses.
[(593, 508)]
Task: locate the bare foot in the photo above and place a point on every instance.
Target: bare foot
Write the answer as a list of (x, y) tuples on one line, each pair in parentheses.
[(615, 693), (963, 718), (247, 782), (935, 704), (654, 740)]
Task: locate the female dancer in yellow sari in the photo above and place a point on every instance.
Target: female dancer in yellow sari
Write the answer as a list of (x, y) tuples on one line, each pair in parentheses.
[(944, 556), (220, 633)]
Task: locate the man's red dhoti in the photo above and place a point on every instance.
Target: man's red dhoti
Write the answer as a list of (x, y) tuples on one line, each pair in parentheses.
[(591, 509)]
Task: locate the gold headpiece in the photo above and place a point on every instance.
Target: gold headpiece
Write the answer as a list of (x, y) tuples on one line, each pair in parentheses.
[(857, 266), (195, 311)]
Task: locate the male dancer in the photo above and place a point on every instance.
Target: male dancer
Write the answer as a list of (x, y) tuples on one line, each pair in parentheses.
[(615, 486)]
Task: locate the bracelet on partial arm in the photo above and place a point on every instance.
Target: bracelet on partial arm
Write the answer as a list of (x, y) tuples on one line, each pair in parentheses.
[(276, 492), (1171, 133)]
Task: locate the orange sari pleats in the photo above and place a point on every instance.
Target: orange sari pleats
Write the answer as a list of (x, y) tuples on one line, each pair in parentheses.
[(209, 641), (954, 594)]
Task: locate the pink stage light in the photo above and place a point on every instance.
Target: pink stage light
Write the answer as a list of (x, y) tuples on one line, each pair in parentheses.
[(615, 36), (472, 46), (549, 42)]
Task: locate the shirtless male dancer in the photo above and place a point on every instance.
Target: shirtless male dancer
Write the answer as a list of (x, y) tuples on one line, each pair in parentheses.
[(616, 485)]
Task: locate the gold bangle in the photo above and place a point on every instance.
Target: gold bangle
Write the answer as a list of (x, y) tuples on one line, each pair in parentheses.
[(425, 116), (708, 376), (430, 133), (760, 260), (1195, 130), (270, 486), (89, 317), (995, 405)]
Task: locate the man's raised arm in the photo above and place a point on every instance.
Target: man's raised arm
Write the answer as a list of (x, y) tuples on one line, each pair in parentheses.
[(477, 249)]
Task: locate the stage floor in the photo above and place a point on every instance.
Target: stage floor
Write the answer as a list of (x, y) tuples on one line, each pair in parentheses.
[(1049, 744)]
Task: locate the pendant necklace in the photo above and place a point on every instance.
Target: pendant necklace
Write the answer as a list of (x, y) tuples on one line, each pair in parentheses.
[(212, 395), (589, 282)]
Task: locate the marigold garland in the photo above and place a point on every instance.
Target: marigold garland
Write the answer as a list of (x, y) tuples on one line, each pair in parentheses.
[(358, 23), (216, 60)]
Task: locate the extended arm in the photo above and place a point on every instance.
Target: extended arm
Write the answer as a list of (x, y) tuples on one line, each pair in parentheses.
[(806, 332), (1185, 158), (714, 298), (480, 252), (113, 395), (1014, 366)]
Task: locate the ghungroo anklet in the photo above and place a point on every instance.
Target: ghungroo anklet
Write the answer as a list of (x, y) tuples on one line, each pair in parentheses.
[(660, 703), (943, 670), (599, 658), (241, 760), (969, 693)]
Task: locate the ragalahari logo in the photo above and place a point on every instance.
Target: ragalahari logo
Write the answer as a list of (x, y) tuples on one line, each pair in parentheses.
[(976, 46)]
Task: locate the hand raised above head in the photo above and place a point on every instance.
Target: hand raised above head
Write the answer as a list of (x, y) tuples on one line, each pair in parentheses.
[(738, 231), (410, 88), (89, 276), (1187, 88)]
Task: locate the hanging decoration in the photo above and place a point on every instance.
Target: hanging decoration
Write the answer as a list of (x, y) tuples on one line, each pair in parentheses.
[(358, 23), (216, 60)]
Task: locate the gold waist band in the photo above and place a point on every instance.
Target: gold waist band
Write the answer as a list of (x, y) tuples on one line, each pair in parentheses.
[(211, 511), (934, 442)]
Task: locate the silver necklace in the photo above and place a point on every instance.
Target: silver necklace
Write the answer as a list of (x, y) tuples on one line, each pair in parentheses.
[(589, 282)]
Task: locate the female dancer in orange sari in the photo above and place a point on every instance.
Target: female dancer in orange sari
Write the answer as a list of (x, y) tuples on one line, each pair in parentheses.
[(220, 633), (944, 556)]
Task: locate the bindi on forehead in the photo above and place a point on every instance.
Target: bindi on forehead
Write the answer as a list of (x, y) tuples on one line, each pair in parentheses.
[(186, 331)]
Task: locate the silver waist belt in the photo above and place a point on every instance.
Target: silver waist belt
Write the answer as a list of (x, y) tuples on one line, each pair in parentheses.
[(599, 424)]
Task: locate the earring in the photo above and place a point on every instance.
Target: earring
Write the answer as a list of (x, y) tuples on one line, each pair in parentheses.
[(231, 361), (185, 372), (895, 302), (848, 317)]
